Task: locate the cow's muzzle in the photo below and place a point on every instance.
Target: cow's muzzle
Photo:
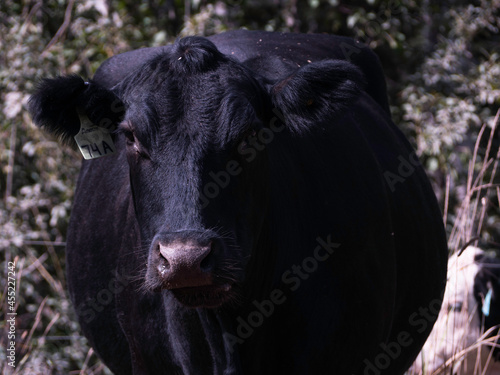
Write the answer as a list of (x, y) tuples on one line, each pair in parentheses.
[(184, 263)]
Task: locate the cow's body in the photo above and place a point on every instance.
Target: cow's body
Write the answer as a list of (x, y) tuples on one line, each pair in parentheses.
[(347, 252)]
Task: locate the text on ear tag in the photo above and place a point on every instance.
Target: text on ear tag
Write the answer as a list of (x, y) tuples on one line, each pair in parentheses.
[(93, 141)]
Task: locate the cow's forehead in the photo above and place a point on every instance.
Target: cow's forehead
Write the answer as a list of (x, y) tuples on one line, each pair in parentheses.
[(193, 64), (198, 92)]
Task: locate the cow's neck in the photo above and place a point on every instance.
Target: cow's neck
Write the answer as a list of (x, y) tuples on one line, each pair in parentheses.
[(199, 338)]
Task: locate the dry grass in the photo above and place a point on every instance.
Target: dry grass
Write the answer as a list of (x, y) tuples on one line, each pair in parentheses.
[(472, 212), (469, 348), (34, 331)]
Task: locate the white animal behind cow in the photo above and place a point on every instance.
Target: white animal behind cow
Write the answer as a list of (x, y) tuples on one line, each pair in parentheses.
[(459, 344)]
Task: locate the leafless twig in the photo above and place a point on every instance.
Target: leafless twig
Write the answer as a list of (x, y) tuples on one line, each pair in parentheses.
[(63, 28)]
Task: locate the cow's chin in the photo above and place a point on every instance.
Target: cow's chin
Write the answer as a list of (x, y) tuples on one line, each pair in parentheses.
[(207, 296)]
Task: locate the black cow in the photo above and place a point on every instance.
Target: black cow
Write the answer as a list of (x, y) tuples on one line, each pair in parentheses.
[(261, 214)]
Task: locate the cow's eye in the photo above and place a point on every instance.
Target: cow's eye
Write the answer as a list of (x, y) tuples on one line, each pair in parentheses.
[(129, 135), (132, 142), (455, 306)]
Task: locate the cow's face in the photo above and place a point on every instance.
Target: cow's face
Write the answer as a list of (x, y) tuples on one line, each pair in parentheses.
[(458, 339), (199, 200), (198, 177)]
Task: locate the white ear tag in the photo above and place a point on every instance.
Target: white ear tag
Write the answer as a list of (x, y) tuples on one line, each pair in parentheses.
[(93, 141)]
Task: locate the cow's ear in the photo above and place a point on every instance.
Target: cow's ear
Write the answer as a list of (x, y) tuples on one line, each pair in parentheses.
[(317, 93), (57, 102)]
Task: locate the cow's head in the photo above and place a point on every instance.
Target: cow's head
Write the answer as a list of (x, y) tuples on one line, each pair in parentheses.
[(468, 320), (189, 122)]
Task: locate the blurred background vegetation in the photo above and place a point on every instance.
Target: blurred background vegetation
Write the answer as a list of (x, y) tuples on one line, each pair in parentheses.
[(442, 64)]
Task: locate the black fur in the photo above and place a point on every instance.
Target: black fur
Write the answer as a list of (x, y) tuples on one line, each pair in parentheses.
[(233, 97), (317, 93), (55, 104), (194, 55)]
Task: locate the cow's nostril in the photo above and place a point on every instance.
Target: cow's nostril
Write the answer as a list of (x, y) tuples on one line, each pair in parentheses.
[(163, 268), (206, 263)]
